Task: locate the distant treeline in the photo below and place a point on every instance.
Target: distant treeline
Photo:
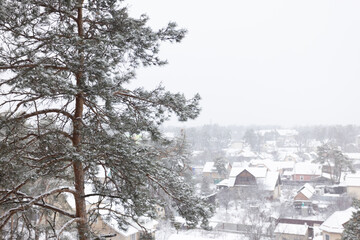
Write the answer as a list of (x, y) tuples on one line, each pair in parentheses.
[(215, 137)]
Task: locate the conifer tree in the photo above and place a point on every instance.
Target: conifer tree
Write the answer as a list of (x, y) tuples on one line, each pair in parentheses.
[(337, 162), (352, 227), (66, 114)]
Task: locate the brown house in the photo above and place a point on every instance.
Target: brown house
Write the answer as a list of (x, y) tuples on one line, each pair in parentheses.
[(245, 178), (256, 181)]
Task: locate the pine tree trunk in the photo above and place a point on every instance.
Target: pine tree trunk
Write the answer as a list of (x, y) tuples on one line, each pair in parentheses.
[(79, 173)]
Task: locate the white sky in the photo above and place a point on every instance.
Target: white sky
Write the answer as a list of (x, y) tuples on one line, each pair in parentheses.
[(262, 62)]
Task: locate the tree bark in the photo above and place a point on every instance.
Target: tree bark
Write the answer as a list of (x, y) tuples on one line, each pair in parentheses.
[(79, 173)]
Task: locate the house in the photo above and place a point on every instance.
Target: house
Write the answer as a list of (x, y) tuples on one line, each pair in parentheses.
[(354, 158), (352, 185), (271, 165), (303, 199), (106, 225), (313, 225), (333, 226), (109, 227), (246, 155), (304, 171), (210, 170), (247, 179), (285, 231), (305, 193)]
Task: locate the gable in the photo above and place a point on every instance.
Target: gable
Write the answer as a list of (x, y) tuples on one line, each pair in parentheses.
[(245, 178), (300, 196)]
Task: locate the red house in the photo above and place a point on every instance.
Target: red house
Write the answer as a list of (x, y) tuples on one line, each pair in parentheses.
[(306, 171)]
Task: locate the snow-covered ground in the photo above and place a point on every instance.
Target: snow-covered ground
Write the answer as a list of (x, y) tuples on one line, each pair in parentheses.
[(199, 235)]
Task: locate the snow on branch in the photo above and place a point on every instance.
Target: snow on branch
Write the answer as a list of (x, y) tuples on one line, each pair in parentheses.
[(66, 225), (6, 216)]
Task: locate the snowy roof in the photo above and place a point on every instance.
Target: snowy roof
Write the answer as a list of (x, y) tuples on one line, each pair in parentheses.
[(264, 162), (287, 132), (255, 171), (272, 165), (334, 223), (288, 173), (132, 228), (288, 154), (307, 168), (209, 167), (294, 229), (269, 182), (239, 164), (248, 154), (307, 190), (285, 164), (351, 180), (114, 225), (264, 178), (232, 152), (224, 182), (231, 182), (237, 145), (353, 155)]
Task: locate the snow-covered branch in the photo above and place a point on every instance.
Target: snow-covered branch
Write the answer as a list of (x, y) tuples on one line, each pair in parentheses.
[(66, 225), (6, 216)]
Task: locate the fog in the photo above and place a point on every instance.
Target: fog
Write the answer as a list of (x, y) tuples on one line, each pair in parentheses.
[(261, 62)]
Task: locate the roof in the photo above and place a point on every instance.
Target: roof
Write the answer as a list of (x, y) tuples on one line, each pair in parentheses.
[(257, 172), (306, 168), (114, 225), (209, 167), (264, 178), (294, 229), (287, 132), (132, 228), (247, 154), (353, 155), (351, 180), (334, 223), (272, 165), (307, 190), (224, 182), (270, 181)]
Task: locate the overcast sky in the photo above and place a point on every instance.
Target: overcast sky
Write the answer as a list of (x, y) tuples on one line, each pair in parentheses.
[(262, 62)]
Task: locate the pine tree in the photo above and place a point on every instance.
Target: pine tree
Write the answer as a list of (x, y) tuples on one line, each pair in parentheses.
[(67, 112), (335, 160), (352, 227), (220, 165)]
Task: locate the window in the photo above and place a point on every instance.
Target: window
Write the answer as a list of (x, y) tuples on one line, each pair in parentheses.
[(301, 178), (133, 236), (327, 237)]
